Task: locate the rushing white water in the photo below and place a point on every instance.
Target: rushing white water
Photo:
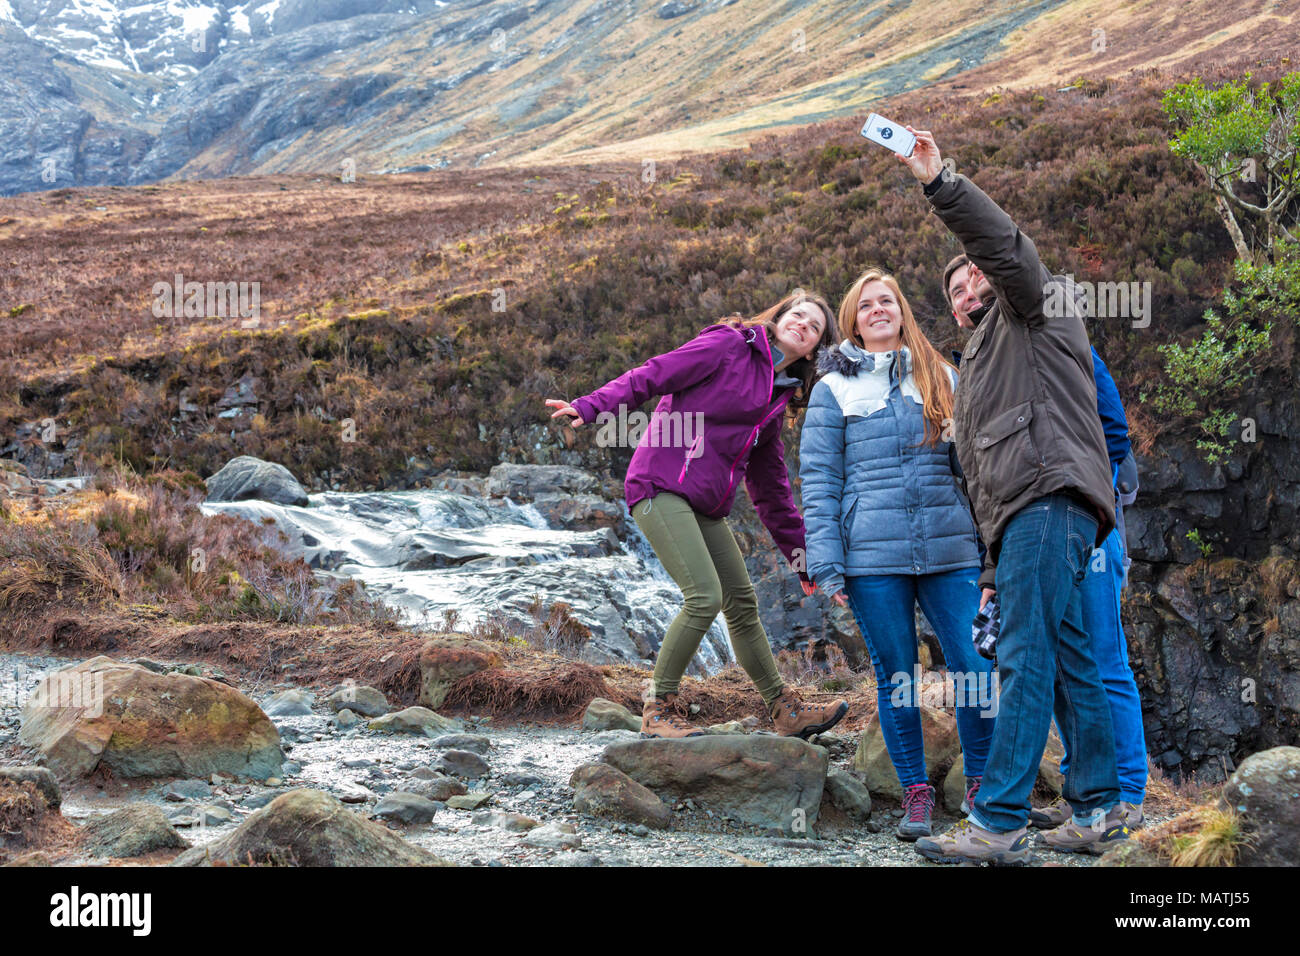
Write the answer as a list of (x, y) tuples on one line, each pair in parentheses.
[(438, 556)]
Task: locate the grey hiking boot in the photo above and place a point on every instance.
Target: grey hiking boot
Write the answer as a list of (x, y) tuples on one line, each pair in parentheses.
[(1096, 838), (1052, 815), (1130, 813), (918, 804), (972, 788), (967, 843)]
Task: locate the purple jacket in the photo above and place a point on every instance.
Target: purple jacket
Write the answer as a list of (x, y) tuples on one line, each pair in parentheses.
[(719, 422)]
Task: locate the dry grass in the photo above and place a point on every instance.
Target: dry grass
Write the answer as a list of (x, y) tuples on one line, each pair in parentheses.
[(1204, 836)]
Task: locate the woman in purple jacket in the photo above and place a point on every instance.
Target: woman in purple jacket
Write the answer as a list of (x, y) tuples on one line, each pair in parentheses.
[(718, 422)]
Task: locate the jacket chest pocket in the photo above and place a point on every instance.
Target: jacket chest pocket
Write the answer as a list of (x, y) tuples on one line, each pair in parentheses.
[(1008, 459)]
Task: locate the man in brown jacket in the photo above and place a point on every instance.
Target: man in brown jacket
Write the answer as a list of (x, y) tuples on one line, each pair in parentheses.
[(1031, 445)]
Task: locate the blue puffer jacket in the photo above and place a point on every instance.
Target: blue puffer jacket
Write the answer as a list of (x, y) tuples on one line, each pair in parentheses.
[(875, 500)]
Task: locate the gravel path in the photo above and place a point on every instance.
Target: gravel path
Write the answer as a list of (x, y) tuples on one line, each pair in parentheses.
[(529, 772)]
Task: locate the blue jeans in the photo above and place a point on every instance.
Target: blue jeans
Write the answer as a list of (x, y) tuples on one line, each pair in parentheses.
[(1042, 644), (1101, 591), (885, 608)]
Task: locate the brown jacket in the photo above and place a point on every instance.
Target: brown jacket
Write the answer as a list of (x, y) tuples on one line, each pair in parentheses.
[(1025, 411)]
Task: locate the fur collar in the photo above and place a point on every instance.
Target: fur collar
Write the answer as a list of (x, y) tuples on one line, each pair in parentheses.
[(847, 359)]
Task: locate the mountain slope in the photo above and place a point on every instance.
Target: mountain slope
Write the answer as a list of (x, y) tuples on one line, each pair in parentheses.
[(125, 92)]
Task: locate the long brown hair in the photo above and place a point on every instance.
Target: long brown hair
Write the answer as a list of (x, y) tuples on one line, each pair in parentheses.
[(929, 368), (804, 369)]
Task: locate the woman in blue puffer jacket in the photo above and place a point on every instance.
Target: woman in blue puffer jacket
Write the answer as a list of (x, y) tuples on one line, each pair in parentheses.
[(888, 527)]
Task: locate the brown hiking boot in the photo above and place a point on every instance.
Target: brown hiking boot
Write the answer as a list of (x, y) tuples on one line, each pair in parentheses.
[(664, 717), (794, 718)]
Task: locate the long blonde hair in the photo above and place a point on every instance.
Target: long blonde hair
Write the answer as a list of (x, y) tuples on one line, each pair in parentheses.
[(930, 370)]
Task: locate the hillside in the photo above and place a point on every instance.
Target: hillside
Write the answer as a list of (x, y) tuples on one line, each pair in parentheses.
[(122, 92)]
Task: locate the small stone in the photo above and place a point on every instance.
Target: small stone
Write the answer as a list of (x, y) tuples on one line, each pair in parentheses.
[(461, 763), (406, 808), (475, 743), (469, 801)]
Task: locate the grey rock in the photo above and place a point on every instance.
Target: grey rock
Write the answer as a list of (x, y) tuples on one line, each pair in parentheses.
[(415, 720), (309, 828), (132, 831), (1265, 792), (848, 794), (767, 781), (601, 790), (366, 701), (402, 807), (461, 763), (476, 743), (289, 703), (247, 477), (602, 714)]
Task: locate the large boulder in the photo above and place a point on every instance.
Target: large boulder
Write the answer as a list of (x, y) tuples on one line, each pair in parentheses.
[(132, 831), (604, 791), (445, 659), (248, 477), (1265, 792), (308, 828), (762, 780), (526, 482), (942, 745), (140, 724)]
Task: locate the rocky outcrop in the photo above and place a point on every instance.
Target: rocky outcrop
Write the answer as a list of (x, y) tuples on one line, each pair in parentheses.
[(308, 828), (246, 477), (765, 781), (137, 723)]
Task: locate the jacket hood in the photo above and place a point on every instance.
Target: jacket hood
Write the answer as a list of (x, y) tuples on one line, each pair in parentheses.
[(847, 359)]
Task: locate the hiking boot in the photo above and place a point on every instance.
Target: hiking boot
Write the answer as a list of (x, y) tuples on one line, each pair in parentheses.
[(918, 803), (794, 718), (972, 788), (968, 843), (1106, 832), (1053, 815), (663, 717), (1129, 813)]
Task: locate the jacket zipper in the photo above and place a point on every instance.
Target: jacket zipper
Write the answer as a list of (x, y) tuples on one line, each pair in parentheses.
[(690, 454), (750, 442)]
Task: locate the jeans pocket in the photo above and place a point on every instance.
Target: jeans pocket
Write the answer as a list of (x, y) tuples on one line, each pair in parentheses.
[(1080, 533)]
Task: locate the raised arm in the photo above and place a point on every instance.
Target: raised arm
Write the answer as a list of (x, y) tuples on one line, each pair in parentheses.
[(661, 375), (990, 238)]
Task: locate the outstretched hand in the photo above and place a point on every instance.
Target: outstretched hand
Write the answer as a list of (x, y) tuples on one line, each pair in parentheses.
[(841, 599), (564, 408), (925, 161)]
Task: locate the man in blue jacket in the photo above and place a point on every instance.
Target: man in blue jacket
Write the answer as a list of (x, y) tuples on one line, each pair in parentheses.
[(1101, 588)]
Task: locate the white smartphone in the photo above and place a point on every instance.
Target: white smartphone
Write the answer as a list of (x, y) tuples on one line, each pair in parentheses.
[(888, 134)]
